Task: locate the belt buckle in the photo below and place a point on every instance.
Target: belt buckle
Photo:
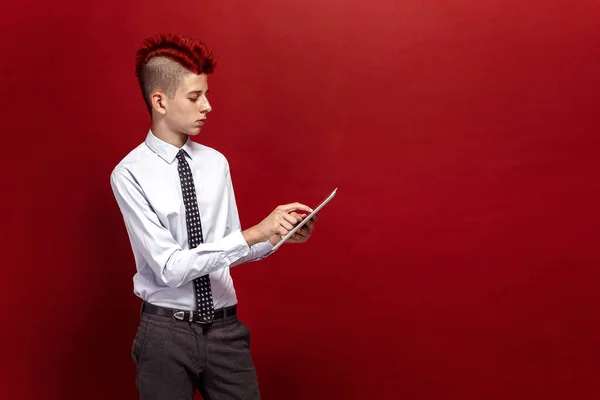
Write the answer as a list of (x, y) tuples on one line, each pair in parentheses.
[(179, 315)]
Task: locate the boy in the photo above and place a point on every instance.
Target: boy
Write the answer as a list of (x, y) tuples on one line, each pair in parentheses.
[(179, 209)]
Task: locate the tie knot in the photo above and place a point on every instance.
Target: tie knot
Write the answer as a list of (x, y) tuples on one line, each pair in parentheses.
[(181, 154)]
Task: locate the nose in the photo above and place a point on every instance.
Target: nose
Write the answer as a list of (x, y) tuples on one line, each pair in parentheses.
[(205, 108)]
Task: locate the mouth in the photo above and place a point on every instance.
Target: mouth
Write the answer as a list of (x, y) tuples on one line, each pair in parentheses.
[(200, 122)]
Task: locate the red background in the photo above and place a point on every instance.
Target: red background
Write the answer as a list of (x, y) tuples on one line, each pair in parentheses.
[(459, 260)]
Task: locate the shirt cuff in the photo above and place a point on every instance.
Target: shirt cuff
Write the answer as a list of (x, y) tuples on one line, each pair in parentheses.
[(264, 249), (235, 246)]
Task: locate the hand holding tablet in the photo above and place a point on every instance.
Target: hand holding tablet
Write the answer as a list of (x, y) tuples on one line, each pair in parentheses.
[(305, 220)]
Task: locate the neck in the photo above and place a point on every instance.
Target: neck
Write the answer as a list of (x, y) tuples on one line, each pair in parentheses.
[(165, 134)]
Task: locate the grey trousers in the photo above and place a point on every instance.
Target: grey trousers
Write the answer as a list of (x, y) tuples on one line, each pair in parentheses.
[(175, 358)]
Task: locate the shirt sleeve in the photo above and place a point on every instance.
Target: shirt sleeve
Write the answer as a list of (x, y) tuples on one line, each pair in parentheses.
[(173, 265), (259, 250)]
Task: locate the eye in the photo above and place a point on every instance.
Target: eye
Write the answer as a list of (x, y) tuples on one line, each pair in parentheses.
[(192, 99)]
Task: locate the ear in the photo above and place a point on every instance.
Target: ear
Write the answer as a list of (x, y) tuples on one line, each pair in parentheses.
[(159, 102)]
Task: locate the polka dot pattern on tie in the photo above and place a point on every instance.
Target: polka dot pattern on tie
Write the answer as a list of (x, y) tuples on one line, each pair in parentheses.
[(204, 302)]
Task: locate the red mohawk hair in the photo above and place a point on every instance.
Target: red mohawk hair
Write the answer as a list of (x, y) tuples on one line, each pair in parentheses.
[(190, 53)]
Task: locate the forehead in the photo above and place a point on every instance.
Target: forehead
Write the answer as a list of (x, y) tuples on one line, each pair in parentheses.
[(192, 82)]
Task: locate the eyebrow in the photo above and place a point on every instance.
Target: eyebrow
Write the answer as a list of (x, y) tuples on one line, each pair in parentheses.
[(198, 91)]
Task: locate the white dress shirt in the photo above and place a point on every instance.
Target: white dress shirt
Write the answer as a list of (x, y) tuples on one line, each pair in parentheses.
[(148, 190)]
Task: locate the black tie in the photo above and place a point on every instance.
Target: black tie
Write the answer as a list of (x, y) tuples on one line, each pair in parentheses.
[(204, 302)]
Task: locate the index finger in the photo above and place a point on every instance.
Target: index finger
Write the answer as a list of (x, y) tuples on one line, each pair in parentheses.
[(295, 206)]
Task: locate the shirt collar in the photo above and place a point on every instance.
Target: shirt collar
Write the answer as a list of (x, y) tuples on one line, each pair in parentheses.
[(167, 151)]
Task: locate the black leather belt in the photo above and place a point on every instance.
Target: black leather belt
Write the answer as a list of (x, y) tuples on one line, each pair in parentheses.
[(186, 315)]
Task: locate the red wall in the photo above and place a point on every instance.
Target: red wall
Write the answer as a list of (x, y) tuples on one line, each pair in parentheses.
[(459, 260)]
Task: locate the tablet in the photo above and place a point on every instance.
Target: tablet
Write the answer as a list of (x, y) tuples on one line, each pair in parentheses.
[(305, 220)]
